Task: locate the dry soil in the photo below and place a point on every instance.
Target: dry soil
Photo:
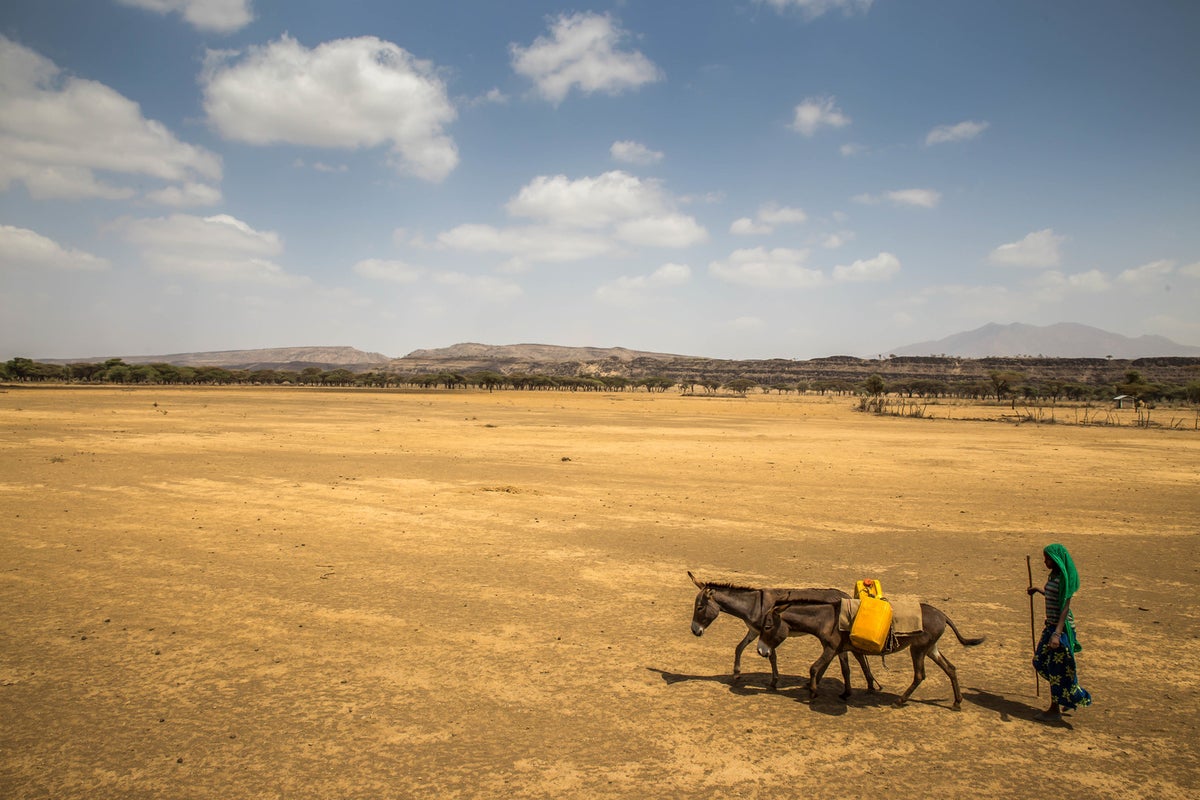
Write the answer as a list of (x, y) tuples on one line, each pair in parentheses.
[(259, 593)]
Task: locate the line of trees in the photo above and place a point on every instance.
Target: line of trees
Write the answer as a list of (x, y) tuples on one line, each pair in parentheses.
[(998, 385)]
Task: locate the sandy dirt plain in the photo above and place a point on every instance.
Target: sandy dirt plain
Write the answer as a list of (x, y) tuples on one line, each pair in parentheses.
[(281, 593)]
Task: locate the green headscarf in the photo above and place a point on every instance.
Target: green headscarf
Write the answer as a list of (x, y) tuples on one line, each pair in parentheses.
[(1068, 585), (1066, 567)]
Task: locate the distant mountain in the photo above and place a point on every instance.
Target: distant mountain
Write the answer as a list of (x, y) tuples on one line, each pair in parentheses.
[(1064, 340), (533, 352), (266, 358)]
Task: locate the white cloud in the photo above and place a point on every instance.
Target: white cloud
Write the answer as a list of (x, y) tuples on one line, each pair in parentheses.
[(633, 290), (346, 93), (581, 218), (780, 268), (744, 226), (529, 244), (818, 112), (218, 16), (781, 215), (189, 194), (811, 9), (663, 230), (582, 52), (220, 248), (851, 149), (922, 198), (588, 202), (21, 248), (879, 268), (1191, 270), (1147, 272), (57, 132), (1038, 249), (961, 132), (390, 271), (768, 217), (629, 152), (1052, 285), (487, 287), (833, 241)]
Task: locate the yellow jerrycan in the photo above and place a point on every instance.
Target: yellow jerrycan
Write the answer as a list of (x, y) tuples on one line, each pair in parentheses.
[(873, 622)]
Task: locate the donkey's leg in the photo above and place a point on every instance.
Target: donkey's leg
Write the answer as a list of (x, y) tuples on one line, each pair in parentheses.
[(951, 672), (845, 662), (872, 684), (817, 670), (918, 659), (750, 636)]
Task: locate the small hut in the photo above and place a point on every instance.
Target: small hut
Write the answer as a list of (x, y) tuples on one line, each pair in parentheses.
[(1122, 399)]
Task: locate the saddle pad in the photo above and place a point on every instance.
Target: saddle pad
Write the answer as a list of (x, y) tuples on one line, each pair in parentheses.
[(906, 615)]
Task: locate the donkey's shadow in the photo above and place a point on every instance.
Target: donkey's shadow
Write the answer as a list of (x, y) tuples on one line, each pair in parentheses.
[(758, 683)]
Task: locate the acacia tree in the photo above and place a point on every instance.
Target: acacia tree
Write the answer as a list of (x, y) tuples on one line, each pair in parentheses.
[(1004, 381), (740, 385)]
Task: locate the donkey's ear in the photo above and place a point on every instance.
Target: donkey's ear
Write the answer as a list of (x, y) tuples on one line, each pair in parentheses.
[(693, 577)]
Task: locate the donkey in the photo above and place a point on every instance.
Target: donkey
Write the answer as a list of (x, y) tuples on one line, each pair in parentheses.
[(749, 605), (821, 619)]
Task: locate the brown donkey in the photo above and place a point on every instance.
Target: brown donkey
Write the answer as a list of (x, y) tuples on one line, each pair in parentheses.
[(749, 605), (788, 617)]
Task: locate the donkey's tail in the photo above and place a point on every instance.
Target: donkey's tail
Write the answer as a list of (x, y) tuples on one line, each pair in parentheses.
[(961, 640)]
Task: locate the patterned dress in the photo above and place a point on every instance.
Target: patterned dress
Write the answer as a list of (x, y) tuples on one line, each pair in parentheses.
[(1057, 664)]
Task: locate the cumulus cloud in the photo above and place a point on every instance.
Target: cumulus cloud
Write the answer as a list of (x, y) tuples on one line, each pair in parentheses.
[(1147, 272), (811, 9), (218, 16), (57, 132), (879, 268), (582, 52), (189, 194), (1039, 249), (628, 152), (1053, 285), (663, 230), (779, 268), (921, 198), (745, 226), (487, 287), (526, 245), (346, 93), (220, 248), (767, 219), (390, 271), (590, 202), (633, 290), (816, 113), (21, 248), (575, 219), (961, 132)]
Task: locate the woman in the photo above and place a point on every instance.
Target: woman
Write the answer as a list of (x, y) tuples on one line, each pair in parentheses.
[(1054, 658)]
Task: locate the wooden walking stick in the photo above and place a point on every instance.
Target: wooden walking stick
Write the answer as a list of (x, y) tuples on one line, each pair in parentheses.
[(1037, 682)]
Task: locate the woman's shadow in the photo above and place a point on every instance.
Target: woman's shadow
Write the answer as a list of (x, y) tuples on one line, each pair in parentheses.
[(1009, 710)]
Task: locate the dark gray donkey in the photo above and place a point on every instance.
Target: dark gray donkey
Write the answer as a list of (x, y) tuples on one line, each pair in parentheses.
[(750, 605), (789, 617)]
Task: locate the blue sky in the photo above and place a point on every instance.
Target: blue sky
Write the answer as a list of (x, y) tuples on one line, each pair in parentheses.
[(725, 178)]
